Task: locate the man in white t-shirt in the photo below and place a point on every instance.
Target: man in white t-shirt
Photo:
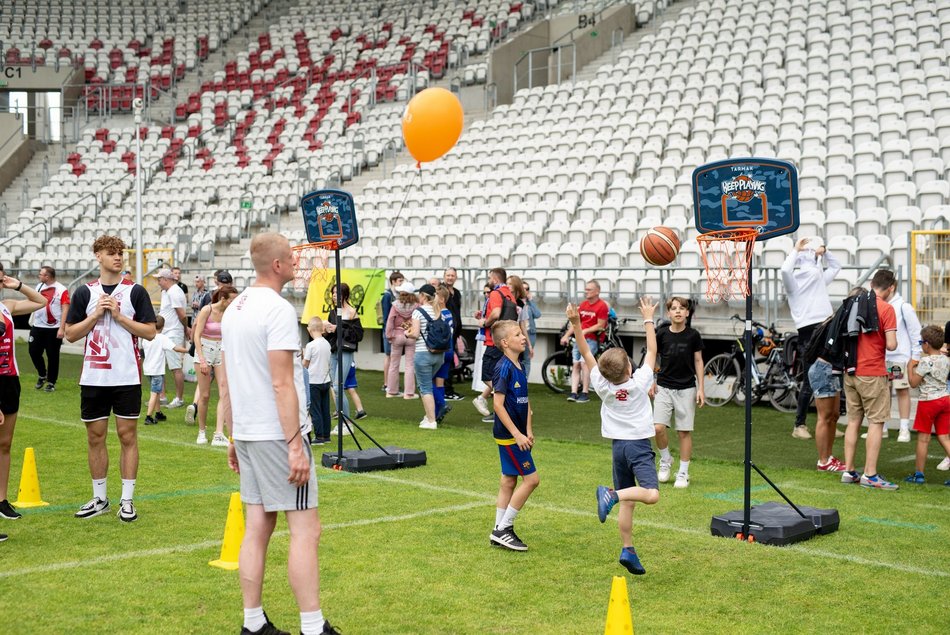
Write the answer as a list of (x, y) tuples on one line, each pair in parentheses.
[(261, 384), (47, 328), (176, 329)]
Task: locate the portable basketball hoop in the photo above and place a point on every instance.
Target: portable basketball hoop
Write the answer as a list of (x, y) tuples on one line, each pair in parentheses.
[(737, 202), (330, 222), (727, 255)]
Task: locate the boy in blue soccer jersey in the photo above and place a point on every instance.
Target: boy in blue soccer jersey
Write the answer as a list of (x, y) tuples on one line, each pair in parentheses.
[(627, 419), (512, 433)]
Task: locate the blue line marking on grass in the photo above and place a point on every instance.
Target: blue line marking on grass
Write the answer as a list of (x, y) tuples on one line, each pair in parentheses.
[(899, 523), (736, 495)]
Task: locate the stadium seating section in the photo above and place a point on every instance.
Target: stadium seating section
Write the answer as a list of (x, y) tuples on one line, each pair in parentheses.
[(567, 176)]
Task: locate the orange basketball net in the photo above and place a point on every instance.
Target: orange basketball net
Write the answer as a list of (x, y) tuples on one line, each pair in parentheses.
[(727, 255), (311, 262)]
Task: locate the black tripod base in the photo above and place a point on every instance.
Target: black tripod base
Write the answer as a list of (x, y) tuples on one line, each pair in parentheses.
[(776, 524), (374, 459)]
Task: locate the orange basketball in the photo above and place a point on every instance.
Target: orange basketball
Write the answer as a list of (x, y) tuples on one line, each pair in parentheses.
[(743, 196), (660, 246)]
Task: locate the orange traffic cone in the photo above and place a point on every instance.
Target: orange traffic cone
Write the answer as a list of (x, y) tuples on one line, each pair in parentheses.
[(29, 493), (233, 535), (619, 620)]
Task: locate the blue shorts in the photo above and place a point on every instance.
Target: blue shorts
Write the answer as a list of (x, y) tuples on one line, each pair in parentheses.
[(824, 384), (446, 367), (387, 347), (156, 383), (515, 461), (594, 347), (350, 381), (634, 464)]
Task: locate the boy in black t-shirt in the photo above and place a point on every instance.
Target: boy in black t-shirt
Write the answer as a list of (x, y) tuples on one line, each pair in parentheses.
[(679, 388)]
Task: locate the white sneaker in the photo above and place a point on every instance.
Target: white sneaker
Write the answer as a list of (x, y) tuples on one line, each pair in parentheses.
[(425, 424), (176, 403), (219, 440), (682, 481), (664, 474), (903, 436), (336, 429), (202, 439), (864, 435), (481, 405), (190, 412), (944, 465)]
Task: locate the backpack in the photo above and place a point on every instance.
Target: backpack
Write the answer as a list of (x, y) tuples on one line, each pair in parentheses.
[(509, 310), (438, 335)]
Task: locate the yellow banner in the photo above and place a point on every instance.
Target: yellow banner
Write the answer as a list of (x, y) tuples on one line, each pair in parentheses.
[(366, 288)]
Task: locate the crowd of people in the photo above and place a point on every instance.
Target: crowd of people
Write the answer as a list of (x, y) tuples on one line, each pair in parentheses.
[(276, 396)]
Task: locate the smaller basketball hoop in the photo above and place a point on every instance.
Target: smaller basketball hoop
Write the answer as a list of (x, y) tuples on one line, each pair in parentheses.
[(311, 262), (727, 255)]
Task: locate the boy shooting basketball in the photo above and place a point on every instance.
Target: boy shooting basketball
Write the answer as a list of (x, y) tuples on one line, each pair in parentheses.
[(627, 419)]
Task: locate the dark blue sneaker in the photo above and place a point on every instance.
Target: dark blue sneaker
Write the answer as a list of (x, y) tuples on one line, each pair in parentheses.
[(582, 398), (916, 477), (606, 499), (629, 559), (573, 397)]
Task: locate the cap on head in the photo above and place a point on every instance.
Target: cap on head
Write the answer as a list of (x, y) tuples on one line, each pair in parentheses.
[(165, 273), (427, 289)]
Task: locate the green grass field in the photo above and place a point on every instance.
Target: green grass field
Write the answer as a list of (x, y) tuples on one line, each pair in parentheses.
[(407, 551)]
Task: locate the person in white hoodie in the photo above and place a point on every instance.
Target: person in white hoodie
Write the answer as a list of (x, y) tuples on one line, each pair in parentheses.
[(908, 347), (806, 273)]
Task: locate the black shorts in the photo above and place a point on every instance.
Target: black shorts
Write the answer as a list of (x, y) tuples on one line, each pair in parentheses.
[(489, 360), (9, 394), (98, 401)]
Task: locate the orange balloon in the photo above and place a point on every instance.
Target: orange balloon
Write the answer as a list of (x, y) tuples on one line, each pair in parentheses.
[(432, 124)]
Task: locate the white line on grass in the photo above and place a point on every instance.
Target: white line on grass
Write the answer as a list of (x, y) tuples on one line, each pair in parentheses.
[(686, 530), (141, 437), (208, 544), (482, 497)]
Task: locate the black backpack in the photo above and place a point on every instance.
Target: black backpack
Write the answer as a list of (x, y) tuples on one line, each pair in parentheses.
[(509, 310), (438, 334)]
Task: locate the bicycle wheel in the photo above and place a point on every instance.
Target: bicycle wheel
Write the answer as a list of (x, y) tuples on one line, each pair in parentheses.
[(722, 379), (556, 371), (783, 389)]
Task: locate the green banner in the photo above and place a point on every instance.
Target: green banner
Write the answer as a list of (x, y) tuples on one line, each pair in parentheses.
[(366, 287)]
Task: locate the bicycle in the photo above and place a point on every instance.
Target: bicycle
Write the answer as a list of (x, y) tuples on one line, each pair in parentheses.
[(556, 369), (725, 381)]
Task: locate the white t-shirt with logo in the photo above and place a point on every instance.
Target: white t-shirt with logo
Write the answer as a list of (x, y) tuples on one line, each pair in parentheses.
[(154, 363), (317, 353), (257, 321), (51, 316), (173, 298), (626, 412)]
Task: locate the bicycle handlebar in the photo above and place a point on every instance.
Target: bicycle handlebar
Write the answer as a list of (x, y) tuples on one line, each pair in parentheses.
[(771, 329)]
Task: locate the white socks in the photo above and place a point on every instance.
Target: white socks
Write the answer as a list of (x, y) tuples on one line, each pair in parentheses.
[(499, 514), (684, 467), (665, 455), (254, 619), (99, 489), (311, 623), (905, 424), (128, 489), (509, 518)]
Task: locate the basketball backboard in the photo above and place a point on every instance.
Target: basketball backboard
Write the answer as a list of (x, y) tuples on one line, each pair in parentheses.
[(746, 192), (330, 217)]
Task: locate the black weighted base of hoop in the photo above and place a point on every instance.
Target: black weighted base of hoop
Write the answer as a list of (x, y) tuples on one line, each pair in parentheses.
[(776, 524), (374, 459)]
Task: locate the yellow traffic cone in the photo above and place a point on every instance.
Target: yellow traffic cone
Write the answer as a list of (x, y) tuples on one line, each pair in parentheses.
[(29, 494), (619, 620), (233, 535)]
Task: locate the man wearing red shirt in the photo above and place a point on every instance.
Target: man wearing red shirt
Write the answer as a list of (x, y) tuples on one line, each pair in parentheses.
[(593, 312), (494, 311), (867, 391)]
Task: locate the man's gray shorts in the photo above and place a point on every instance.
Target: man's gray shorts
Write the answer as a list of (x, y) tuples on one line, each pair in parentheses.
[(264, 472)]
